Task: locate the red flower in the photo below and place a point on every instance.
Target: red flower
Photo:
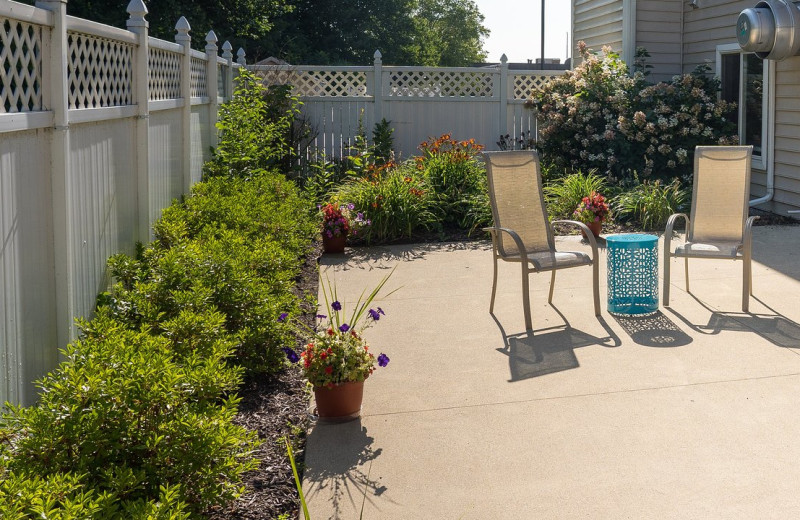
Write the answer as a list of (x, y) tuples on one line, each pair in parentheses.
[(328, 369)]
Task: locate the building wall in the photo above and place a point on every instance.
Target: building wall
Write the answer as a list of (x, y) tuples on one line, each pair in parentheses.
[(712, 24), (658, 29), (598, 23)]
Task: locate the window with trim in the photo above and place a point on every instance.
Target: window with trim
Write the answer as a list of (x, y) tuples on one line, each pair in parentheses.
[(744, 80)]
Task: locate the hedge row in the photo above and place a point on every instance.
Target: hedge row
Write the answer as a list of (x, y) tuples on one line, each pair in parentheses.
[(137, 421)]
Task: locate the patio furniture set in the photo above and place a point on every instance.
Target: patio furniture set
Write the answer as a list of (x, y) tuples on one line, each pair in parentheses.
[(718, 228)]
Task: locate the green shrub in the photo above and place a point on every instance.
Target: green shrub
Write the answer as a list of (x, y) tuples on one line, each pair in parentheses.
[(651, 203), (563, 195), (132, 417), (396, 200), (454, 175), (598, 116), (253, 135)]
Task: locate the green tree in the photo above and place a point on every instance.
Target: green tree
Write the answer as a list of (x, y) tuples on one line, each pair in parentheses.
[(240, 21), (448, 33)]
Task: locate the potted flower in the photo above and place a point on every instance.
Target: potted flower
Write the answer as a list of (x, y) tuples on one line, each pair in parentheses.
[(337, 359), (592, 211), (337, 223)]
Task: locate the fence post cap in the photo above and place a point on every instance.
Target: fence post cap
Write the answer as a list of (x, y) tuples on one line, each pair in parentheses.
[(240, 57), (183, 26), (137, 9), (504, 58), (211, 41)]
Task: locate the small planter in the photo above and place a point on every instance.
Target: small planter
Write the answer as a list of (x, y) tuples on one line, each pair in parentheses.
[(339, 403), (334, 244), (595, 227)]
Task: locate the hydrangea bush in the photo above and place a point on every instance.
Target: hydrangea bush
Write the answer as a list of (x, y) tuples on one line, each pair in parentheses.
[(599, 116)]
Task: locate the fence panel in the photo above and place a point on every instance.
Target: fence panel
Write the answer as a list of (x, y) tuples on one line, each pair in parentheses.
[(85, 178), (419, 102)]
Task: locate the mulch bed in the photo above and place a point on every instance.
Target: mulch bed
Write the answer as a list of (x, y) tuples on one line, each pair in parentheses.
[(277, 406)]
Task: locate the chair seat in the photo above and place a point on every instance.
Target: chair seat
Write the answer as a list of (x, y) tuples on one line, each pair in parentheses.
[(709, 249), (547, 261)]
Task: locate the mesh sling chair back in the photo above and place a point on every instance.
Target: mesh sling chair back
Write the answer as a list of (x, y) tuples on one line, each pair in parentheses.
[(522, 232), (719, 226)]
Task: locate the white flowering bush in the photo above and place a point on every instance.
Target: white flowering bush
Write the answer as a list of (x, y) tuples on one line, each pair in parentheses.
[(598, 116)]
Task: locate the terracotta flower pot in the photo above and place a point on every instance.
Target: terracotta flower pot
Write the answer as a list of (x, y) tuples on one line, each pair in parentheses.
[(595, 227), (339, 403), (334, 244)]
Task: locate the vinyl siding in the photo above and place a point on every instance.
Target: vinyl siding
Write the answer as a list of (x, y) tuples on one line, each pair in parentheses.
[(658, 29), (598, 23), (787, 135), (714, 23)]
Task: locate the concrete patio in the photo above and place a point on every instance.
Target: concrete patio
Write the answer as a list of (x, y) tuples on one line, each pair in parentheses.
[(690, 413)]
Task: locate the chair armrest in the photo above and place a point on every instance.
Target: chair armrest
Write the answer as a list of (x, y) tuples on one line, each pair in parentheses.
[(748, 231), (584, 228), (517, 240), (671, 224)]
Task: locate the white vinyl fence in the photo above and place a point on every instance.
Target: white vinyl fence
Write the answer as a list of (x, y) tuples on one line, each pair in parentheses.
[(419, 102), (100, 128)]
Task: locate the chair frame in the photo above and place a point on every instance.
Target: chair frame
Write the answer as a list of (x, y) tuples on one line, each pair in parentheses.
[(526, 265), (743, 253)]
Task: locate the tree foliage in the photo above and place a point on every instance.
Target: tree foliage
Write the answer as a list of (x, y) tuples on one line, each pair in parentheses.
[(318, 32)]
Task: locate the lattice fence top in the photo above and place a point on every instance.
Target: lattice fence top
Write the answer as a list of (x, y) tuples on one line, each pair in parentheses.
[(524, 84), (198, 83), (324, 83), (164, 81), (221, 71), (20, 66), (100, 71), (440, 84)]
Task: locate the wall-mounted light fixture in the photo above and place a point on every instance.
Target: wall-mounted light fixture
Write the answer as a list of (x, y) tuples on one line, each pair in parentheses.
[(695, 4)]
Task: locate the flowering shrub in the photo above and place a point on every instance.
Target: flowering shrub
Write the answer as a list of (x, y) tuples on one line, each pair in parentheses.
[(337, 353), (598, 116), (454, 174), (337, 219), (593, 208)]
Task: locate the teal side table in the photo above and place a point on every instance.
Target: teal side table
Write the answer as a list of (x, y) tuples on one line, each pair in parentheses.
[(632, 274)]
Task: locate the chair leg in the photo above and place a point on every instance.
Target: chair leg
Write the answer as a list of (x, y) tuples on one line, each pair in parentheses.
[(595, 285), (746, 284), (494, 284), (552, 285), (526, 301), (666, 272), (686, 269)]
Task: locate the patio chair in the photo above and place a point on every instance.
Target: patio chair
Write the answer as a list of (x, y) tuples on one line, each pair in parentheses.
[(522, 232), (719, 226)]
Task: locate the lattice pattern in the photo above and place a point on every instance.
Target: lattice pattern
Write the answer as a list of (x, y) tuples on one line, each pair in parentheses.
[(325, 83), (164, 81), (440, 84), (199, 85), (20, 66), (632, 274), (221, 81), (525, 84), (100, 71)]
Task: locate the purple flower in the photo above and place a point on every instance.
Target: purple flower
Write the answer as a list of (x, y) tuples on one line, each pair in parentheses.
[(291, 355), (375, 315), (383, 360), (283, 316), (336, 306), (351, 206), (381, 311), (321, 317), (344, 327)]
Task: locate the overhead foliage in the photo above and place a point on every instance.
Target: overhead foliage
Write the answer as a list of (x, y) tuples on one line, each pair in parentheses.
[(317, 32)]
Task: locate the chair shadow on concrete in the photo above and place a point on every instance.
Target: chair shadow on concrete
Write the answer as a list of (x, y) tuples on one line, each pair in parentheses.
[(654, 330), (549, 350), (343, 451), (775, 328)]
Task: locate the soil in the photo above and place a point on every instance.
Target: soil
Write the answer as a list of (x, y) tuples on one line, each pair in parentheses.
[(277, 406)]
